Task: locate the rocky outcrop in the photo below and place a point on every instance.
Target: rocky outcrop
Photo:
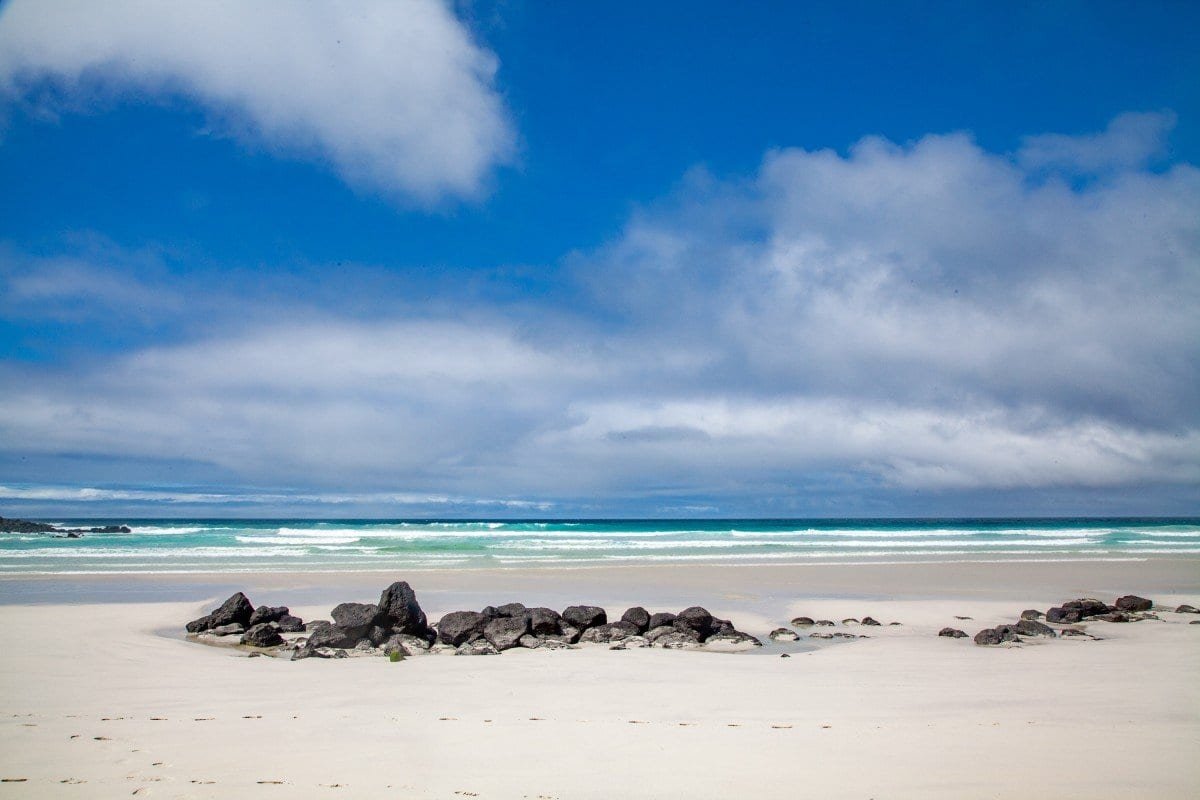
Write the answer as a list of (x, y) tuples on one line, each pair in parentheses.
[(544, 621), (289, 624), (695, 619), (237, 609), (638, 617), (997, 635), (459, 627), (660, 619), (584, 617), (356, 619), (400, 611), (505, 633), (326, 634), (512, 610), (1131, 602), (28, 526), (264, 634), (609, 632), (268, 614), (1031, 627)]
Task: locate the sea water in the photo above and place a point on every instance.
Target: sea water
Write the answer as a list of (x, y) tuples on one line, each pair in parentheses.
[(229, 545)]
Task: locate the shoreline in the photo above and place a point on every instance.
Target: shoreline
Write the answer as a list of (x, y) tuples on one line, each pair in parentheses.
[(655, 582)]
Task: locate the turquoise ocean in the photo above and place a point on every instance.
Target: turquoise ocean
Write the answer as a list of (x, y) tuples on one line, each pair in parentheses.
[(227, 545)]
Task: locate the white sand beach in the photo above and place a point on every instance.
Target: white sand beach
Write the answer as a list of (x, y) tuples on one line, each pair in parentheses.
[(108, 699)]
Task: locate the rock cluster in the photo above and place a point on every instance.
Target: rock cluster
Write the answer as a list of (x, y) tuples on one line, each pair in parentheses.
[(26, 526), (1129, 608), (396, 626)]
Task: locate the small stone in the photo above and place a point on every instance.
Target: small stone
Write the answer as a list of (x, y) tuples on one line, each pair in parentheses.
[(953, 633), (1186, 609), (869, 621), (824, 623), (783, 635), (803, 622), (1031, 613)]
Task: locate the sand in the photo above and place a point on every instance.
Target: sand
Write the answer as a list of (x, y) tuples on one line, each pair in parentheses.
[(106, 699)]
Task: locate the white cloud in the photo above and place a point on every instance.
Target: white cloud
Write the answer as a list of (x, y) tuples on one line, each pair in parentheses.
[(925, 317), (1131, 140), (396, 96)]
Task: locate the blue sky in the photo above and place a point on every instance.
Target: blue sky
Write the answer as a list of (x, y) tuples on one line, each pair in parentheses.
[(494, 258)]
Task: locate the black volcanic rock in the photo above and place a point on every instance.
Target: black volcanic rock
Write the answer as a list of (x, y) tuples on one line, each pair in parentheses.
[(584, 617), (264, 634), (289, 624), (400, 611), (512, 610), (695, 619), (544, 621), (356, 619), (460, 627), (1131, 602), (660, 619), (1031, 627), (236, 609), (953, 633), (638, 617), (268, 614), (24, 526), (505, 632)]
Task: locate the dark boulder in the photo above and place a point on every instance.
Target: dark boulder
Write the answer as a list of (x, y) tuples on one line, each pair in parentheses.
[(459, 627), (491, 612), (803, 622), (869, 621), (325, 634), (783, 635), (378, 635), (512, 610), (356, 619), (1087, 607), (639, 617), (1131, 602), (400, 611), (695, 619), (237, 609), (544, 621), (654, 634), (264, 634), (1031, 627), (267, 614), (289, 624), (505, 632), (1186, 609), (567, 633), (584, 617), (660, 619), (609, 632), (1031, 613), (24, 526), (1116, 616), (720, 626), (998, 635), (953, 633), (1062, 615)]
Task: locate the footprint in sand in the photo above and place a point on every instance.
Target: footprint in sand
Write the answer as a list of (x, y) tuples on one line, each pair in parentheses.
[(638, 722), (271, 783), (253, 716), (780, 727), (100, 738), (158, 719), (204, 783), (537, 719), (203, 719), (447, 719), (71, 780)]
